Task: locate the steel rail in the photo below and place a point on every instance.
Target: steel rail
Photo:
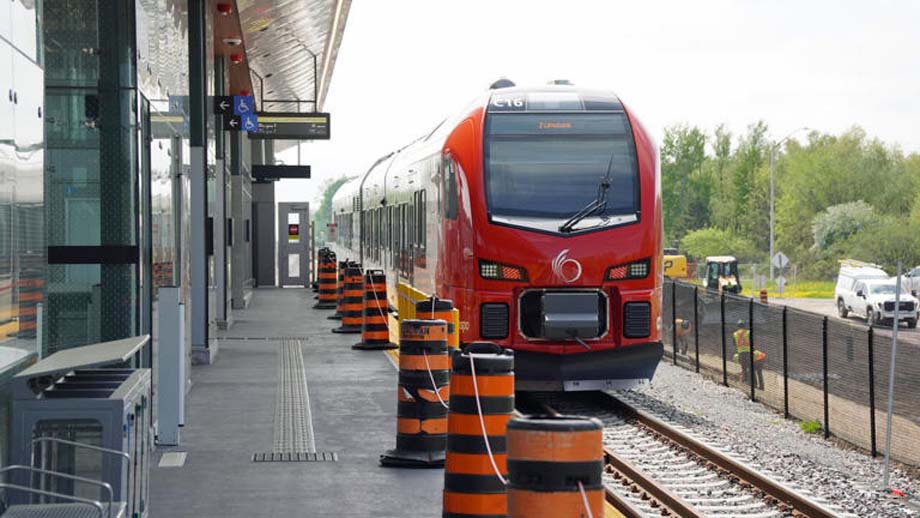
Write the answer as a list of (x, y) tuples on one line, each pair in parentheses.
[(632, 475), (782, 494)]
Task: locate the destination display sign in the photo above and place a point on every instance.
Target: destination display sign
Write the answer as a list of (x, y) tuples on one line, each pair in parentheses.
[(292, 126)]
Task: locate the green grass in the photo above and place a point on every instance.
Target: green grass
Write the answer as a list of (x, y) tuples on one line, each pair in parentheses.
[(813, 426), (799, 290)]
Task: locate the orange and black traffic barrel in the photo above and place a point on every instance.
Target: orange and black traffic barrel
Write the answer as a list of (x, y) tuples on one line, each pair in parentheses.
[(554, 467), (339, 292), (421, 431), (31, 287), (375, 332), (475, 470), (327, 280), (443, 309), (352, 300)]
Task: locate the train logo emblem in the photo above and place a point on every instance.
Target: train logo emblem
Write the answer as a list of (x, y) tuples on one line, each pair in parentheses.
[(566, 268)]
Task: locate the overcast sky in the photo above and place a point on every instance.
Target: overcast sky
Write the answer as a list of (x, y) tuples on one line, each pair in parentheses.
[(406, 64)]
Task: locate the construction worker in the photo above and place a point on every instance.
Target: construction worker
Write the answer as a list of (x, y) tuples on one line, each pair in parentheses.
[(684, 327), (742, 338)]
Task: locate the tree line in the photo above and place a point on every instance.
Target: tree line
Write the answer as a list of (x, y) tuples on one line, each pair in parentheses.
[(836, 196)]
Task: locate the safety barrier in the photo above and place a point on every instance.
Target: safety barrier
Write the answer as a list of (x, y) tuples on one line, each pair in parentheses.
[(807, 365), (339, 292), (327, 280), (352, 305), (374, 327), (441, 309), (481, 403), (421, 432), (554, 467), (407, 299)]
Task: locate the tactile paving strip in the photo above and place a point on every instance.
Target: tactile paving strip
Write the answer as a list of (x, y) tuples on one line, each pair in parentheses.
[(293, 424)]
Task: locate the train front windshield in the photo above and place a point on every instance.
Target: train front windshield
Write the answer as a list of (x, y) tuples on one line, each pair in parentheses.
[(541, 169)]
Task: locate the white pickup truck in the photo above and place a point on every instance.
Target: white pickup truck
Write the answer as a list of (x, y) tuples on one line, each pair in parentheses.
[(867, 291)]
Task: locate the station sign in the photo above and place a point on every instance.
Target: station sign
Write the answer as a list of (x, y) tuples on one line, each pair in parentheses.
[(292, 126)]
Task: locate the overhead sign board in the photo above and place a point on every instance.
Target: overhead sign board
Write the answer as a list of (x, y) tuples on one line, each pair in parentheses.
[(292, 126), (277, 172)]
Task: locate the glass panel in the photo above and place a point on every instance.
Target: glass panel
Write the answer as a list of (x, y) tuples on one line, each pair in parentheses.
[(68, 459), (293, 265)]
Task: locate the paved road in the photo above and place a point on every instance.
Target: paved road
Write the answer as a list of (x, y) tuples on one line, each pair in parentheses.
[(829, 308)]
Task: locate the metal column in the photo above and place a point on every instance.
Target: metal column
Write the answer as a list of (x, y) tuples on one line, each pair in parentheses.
[(198, 142)]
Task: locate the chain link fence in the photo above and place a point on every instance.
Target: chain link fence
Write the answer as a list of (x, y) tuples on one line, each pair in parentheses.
[(804, 364)]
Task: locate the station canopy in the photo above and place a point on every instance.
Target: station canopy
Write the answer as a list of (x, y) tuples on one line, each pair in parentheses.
[(281, 39)]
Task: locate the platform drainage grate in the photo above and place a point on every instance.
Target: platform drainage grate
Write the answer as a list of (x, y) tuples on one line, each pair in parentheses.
[(319, 456)]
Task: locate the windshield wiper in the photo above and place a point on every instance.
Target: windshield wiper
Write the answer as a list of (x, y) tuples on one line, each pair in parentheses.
[(597, 205)]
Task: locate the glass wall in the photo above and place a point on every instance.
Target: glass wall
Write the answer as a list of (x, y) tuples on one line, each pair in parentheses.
[(91, 128), (117, 117), (22, 234)]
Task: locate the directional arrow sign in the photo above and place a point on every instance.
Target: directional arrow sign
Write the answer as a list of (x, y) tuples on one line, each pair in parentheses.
[(232, 123), (780, 260), (223, 105)]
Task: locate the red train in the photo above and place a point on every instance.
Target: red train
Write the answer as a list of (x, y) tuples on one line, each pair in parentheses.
[(537, 211)]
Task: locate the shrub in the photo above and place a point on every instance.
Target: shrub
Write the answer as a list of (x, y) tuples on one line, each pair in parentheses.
[(813, 426)]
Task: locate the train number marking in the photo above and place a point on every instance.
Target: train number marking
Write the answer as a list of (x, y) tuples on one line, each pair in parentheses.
[(508, 102)]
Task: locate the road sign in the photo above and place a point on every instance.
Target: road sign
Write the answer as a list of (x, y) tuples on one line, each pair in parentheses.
[(223, 105), (780, 260), (249, 122), (232, 123), (293, 126), (243, 104)]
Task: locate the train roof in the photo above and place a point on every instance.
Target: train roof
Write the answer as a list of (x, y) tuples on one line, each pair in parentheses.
[(534, 99)]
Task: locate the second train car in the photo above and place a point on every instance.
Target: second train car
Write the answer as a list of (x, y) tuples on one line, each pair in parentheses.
[(537, 211)]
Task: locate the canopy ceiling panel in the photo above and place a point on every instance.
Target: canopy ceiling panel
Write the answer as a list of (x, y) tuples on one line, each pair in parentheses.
[(282, 37)]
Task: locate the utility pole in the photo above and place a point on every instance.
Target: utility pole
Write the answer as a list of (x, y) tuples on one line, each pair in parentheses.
[(773, 148)]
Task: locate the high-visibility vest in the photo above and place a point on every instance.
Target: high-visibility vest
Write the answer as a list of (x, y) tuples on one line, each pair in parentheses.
[(742, 339)]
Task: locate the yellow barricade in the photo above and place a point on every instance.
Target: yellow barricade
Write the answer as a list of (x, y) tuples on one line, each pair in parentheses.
[(407, 296)]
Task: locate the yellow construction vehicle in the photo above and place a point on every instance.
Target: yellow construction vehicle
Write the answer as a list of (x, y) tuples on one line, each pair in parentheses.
[(675, 264)]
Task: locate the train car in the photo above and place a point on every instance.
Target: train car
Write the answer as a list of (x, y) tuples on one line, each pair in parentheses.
[(537, 211)]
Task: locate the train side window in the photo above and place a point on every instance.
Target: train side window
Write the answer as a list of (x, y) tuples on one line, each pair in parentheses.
[(449, 188)]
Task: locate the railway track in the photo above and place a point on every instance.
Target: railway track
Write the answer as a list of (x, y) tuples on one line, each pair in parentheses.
[(655, 469)]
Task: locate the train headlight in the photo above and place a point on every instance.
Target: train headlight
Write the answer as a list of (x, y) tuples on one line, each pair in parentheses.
[(634, 270), (501, 272)]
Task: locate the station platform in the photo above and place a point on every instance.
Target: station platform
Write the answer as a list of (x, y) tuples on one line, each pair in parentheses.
[(247, 403)]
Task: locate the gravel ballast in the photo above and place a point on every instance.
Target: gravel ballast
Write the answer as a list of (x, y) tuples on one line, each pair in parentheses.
[(755, 434)]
